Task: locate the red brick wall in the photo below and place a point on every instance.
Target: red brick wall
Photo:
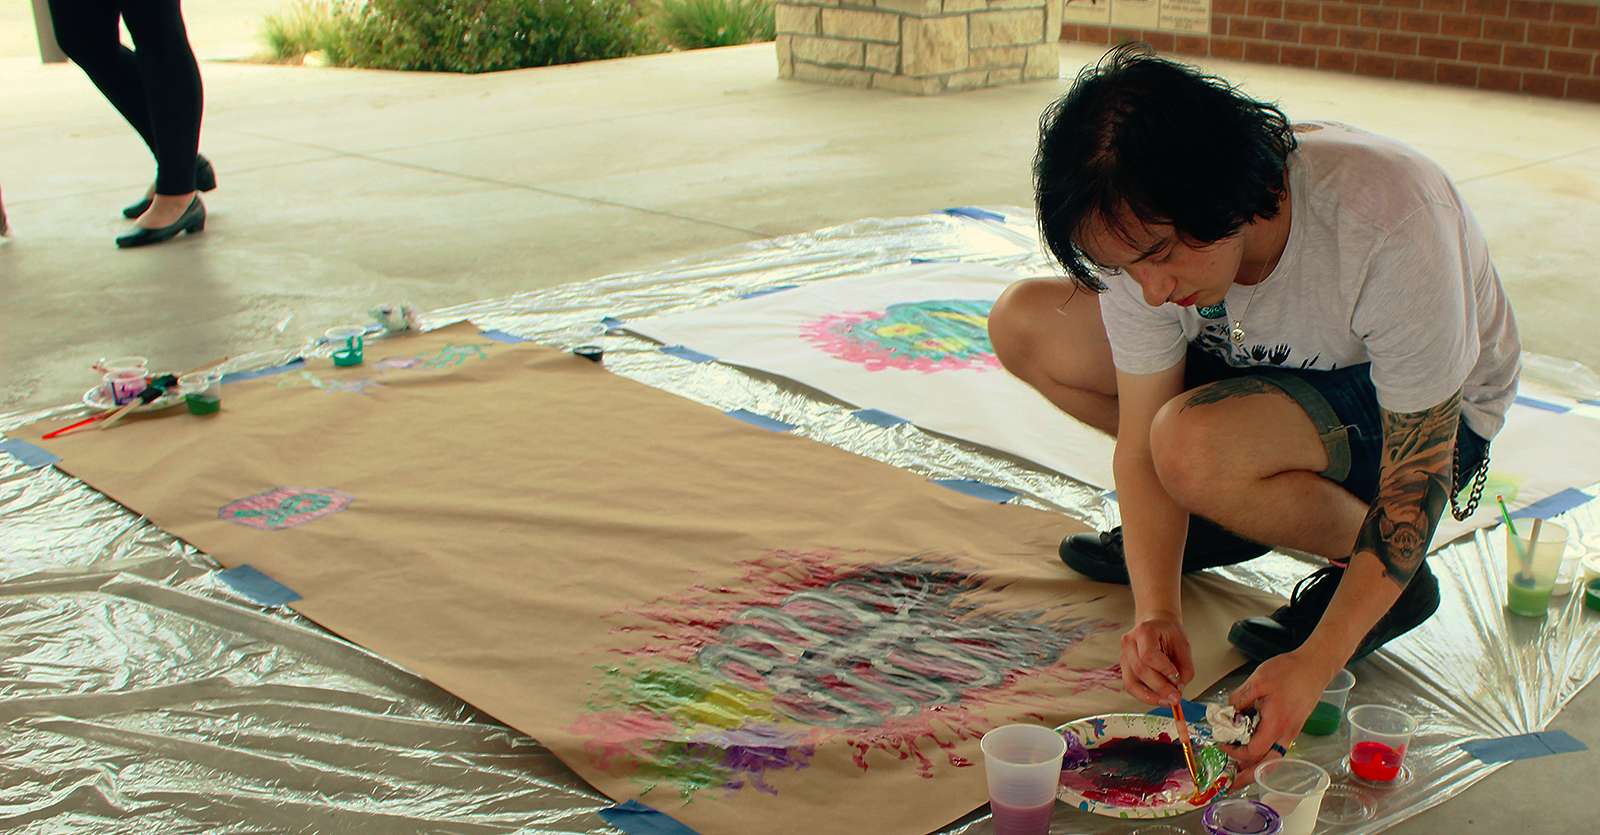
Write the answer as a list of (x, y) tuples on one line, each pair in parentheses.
[(1542, 48)]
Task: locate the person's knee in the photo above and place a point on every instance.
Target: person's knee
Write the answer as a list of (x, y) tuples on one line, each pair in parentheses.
[(1014, 324), (1185, 445)]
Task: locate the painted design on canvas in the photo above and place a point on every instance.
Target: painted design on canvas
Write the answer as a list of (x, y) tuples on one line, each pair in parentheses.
[(722, 687), (284, 507), (360, 385), (926, 336)]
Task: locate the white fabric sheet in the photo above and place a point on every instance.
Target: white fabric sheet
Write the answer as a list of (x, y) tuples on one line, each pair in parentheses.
[(912, 341)]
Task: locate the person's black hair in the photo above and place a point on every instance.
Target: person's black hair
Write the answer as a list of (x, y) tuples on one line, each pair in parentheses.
[(1171, 144)]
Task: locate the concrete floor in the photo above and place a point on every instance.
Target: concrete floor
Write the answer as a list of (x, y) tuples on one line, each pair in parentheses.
[(341, 188)]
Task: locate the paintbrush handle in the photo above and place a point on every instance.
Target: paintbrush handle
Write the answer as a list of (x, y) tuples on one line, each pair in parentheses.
[(207, 367)]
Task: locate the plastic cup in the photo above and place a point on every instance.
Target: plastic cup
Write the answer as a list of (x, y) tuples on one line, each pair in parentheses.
[(202, 392), (1531, 567), (124, 385), (1239, 816), (349, 342), (1294, 789), (109, 364), (1329, 712), (1023, 764), (1379, 736)]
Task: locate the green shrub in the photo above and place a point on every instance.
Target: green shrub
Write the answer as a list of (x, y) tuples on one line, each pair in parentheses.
[(309, 26), (490, 35), (695, 24)]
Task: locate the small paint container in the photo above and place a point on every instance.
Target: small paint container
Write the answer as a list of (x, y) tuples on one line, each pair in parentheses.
[(124, 385), (202, 392), (1591, 594), (592, 353), (1240, 816), (106, 365), (349, 343)]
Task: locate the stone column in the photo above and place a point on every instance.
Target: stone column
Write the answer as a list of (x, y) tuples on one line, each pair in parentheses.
[(919, 46)]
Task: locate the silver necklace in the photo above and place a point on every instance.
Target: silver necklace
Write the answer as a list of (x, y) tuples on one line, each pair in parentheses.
[(1220, 309)]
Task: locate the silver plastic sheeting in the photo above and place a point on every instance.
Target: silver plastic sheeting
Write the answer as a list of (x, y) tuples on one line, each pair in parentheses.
[(139, 693)]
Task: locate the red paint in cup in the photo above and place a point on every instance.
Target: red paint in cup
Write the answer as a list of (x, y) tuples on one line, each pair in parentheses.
[(1016, 820), (1375, 761)]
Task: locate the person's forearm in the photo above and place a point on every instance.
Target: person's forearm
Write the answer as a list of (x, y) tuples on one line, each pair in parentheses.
[(1363, 597), (1153, 531)]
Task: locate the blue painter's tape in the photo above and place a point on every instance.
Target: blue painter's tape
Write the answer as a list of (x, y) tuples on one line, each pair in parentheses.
[(768, 423), (988, 492), (611, 322), (686, 353), (1590, 402), (1523, 746), (241, 376), (767, 291), (877, 418), (975, 213), (635, 818), (1552, 505), (503, 336), (1192, 711), (258, 587), (1535, 403), (935, 260), (30, 455)]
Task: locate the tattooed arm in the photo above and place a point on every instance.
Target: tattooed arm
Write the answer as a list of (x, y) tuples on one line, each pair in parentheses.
[(1413, 490)]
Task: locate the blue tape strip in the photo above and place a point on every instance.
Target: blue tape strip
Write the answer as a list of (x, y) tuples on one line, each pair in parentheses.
[(241, 376), (257, 586), (1553, 505), (1192, 711), (611, 322), (988, 492), (686, 353), (1535, 403), (1523, 746), (1590, 402), (772, 424), (975, 213), (877, 418), (503, 336), (635, 818), (30, 455), (767, 291)]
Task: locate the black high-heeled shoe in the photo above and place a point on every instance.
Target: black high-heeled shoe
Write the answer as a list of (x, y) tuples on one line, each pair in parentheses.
[(192, 220), (205, 179)]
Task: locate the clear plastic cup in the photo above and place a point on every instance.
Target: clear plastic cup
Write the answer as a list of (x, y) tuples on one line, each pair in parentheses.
[(1240, 816), (348, 343), (106, 365), (202, 392), (124, 385), (1294, 789), (1531, 567), (1379, 736), (1023, 764), (1326, 717)]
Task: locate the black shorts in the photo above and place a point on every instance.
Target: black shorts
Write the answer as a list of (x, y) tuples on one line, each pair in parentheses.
[(1344, 406)]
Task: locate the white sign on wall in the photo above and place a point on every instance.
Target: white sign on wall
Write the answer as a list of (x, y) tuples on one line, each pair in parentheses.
[(1188, 16)]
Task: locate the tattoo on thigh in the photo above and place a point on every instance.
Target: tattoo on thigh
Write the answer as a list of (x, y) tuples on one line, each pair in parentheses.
[(1413, 487), (1227, 390)]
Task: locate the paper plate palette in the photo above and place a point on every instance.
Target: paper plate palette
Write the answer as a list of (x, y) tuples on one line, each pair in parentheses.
[(96, 398), (1130, 765)]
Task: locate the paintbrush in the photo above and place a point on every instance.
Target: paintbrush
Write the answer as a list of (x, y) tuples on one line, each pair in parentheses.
[(1187, 743), (1524, 560)]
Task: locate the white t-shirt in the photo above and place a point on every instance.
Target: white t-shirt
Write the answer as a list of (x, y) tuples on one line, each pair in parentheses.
[(1384, 264)]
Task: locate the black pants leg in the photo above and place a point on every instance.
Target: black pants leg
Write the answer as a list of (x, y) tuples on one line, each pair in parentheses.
[(155, 85)]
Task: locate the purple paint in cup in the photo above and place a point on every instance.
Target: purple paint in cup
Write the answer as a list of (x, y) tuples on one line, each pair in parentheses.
[(1023, 767)]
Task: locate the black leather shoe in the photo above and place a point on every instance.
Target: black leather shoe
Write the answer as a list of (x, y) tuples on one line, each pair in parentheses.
[(1099, 557), (192, 220), (205, 179), (1287, 628)]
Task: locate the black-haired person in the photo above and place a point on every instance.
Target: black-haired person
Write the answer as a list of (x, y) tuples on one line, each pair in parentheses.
[(156, 87), (1295, 333)]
